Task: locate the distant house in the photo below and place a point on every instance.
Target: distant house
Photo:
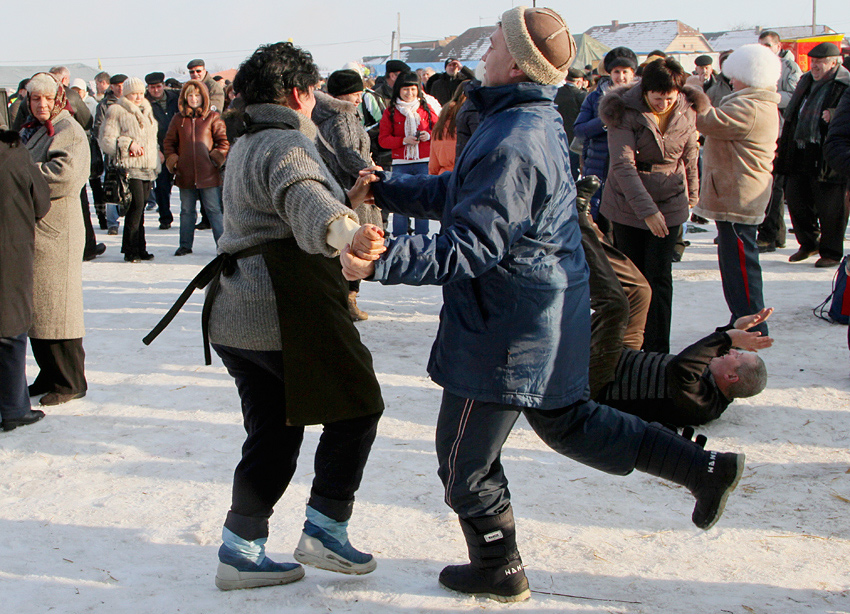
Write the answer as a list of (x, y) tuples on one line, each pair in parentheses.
[(469, 48), (732, 39), (670, 36)]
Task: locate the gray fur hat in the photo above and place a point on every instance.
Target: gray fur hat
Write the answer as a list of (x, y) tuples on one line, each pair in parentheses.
[(540, 42)]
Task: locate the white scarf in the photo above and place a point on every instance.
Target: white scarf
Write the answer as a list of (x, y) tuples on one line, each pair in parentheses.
[(410, 110)]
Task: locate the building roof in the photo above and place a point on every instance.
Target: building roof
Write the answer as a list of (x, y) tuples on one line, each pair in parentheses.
[(642, 37), (732, 39), (469, 47)]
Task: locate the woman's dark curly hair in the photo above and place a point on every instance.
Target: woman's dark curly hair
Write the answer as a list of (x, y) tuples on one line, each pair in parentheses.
[(273, 71), (664, 75)]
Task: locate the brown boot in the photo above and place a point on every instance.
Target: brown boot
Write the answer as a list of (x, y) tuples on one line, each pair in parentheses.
[(353, 310)]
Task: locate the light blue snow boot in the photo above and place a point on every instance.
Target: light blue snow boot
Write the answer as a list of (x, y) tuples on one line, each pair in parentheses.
[(244, 564), (324, 544)]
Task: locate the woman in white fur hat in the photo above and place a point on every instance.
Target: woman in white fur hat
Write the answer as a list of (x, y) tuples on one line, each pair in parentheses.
[(128, 136), (740, 142)]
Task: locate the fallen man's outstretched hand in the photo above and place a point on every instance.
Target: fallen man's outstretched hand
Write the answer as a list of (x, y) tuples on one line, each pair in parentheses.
[(747, 322), (752, 342)]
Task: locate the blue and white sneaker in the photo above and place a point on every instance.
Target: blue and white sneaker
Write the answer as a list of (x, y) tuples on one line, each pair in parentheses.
[(237, 571), (324, 544)]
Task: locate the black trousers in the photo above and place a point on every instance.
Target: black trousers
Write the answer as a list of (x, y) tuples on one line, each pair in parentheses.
[(653, 256), (133, 244), (14, 400), (772, 229), (61, 364), (91, 242), (162, 195), (818, 213), (270, 451), (470, 436)]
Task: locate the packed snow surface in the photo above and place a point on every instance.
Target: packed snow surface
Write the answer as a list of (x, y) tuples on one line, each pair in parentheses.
[(114, 502)]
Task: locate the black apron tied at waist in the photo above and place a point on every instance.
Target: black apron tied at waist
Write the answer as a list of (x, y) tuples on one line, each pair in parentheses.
[(327, 371), (223, 264)]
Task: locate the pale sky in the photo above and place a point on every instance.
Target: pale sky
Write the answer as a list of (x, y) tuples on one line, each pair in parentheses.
[(140, 37)]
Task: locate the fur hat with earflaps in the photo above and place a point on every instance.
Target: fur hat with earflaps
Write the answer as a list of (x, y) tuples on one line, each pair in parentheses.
[(540, 42), (755, 65)]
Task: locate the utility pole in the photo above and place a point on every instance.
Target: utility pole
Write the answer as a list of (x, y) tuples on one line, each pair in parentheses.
[(398, 29), (814, 17), (392, 46)]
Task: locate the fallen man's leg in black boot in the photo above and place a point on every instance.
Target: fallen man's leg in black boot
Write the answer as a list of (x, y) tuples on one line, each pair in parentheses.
[(495, 569)]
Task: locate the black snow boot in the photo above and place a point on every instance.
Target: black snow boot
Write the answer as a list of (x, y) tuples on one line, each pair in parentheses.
[(586, 187), (710, 476), (495, 569)]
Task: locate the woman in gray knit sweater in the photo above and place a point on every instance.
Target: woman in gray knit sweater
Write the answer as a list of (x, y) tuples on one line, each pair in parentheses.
[(279, 321)]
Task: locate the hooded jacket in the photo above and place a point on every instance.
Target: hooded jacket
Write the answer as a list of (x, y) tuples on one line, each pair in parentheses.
[(740, 142), (195, 145), (650, 171), (515, 323)]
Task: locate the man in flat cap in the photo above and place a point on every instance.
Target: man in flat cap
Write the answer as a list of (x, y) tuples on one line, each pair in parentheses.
[(704, 69), (198, 70), (813, 190), (164, 106), (514, 330)]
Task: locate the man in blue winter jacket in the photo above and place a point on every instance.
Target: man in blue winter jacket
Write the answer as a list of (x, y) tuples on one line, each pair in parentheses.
[(514, 331)]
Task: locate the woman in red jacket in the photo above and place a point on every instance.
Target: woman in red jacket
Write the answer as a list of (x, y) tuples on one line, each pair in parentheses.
[(406, 130), (195, 147)]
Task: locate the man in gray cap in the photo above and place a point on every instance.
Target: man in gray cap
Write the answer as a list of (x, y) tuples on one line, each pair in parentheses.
[(813, 190), (514, 331), (704, 69), (198, 71)]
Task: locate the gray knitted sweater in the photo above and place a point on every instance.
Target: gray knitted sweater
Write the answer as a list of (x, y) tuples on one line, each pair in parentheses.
[(276, 187)]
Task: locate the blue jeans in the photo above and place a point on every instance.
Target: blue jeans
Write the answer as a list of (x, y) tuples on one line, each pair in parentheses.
[(112, 216), (401, 222), (211, 202)]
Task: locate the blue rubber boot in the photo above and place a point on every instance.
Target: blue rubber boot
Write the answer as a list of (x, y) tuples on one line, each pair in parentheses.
[(324, 544), (244, 564)]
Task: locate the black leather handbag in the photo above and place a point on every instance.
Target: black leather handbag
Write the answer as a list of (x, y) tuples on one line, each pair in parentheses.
[(116, 188)]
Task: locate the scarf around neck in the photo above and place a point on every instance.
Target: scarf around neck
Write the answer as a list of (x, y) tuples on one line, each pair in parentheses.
[(809, 117), (31, 125), (410, 110)]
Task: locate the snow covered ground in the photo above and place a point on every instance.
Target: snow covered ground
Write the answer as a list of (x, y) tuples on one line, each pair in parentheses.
[(114, 503)]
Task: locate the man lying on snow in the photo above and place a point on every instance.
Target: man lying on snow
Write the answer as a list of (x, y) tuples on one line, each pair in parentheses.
[(696, 385), (685, 389)]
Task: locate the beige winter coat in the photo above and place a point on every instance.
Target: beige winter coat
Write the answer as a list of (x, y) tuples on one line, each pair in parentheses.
[(737, 163), (60, 235), (127, 123)]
